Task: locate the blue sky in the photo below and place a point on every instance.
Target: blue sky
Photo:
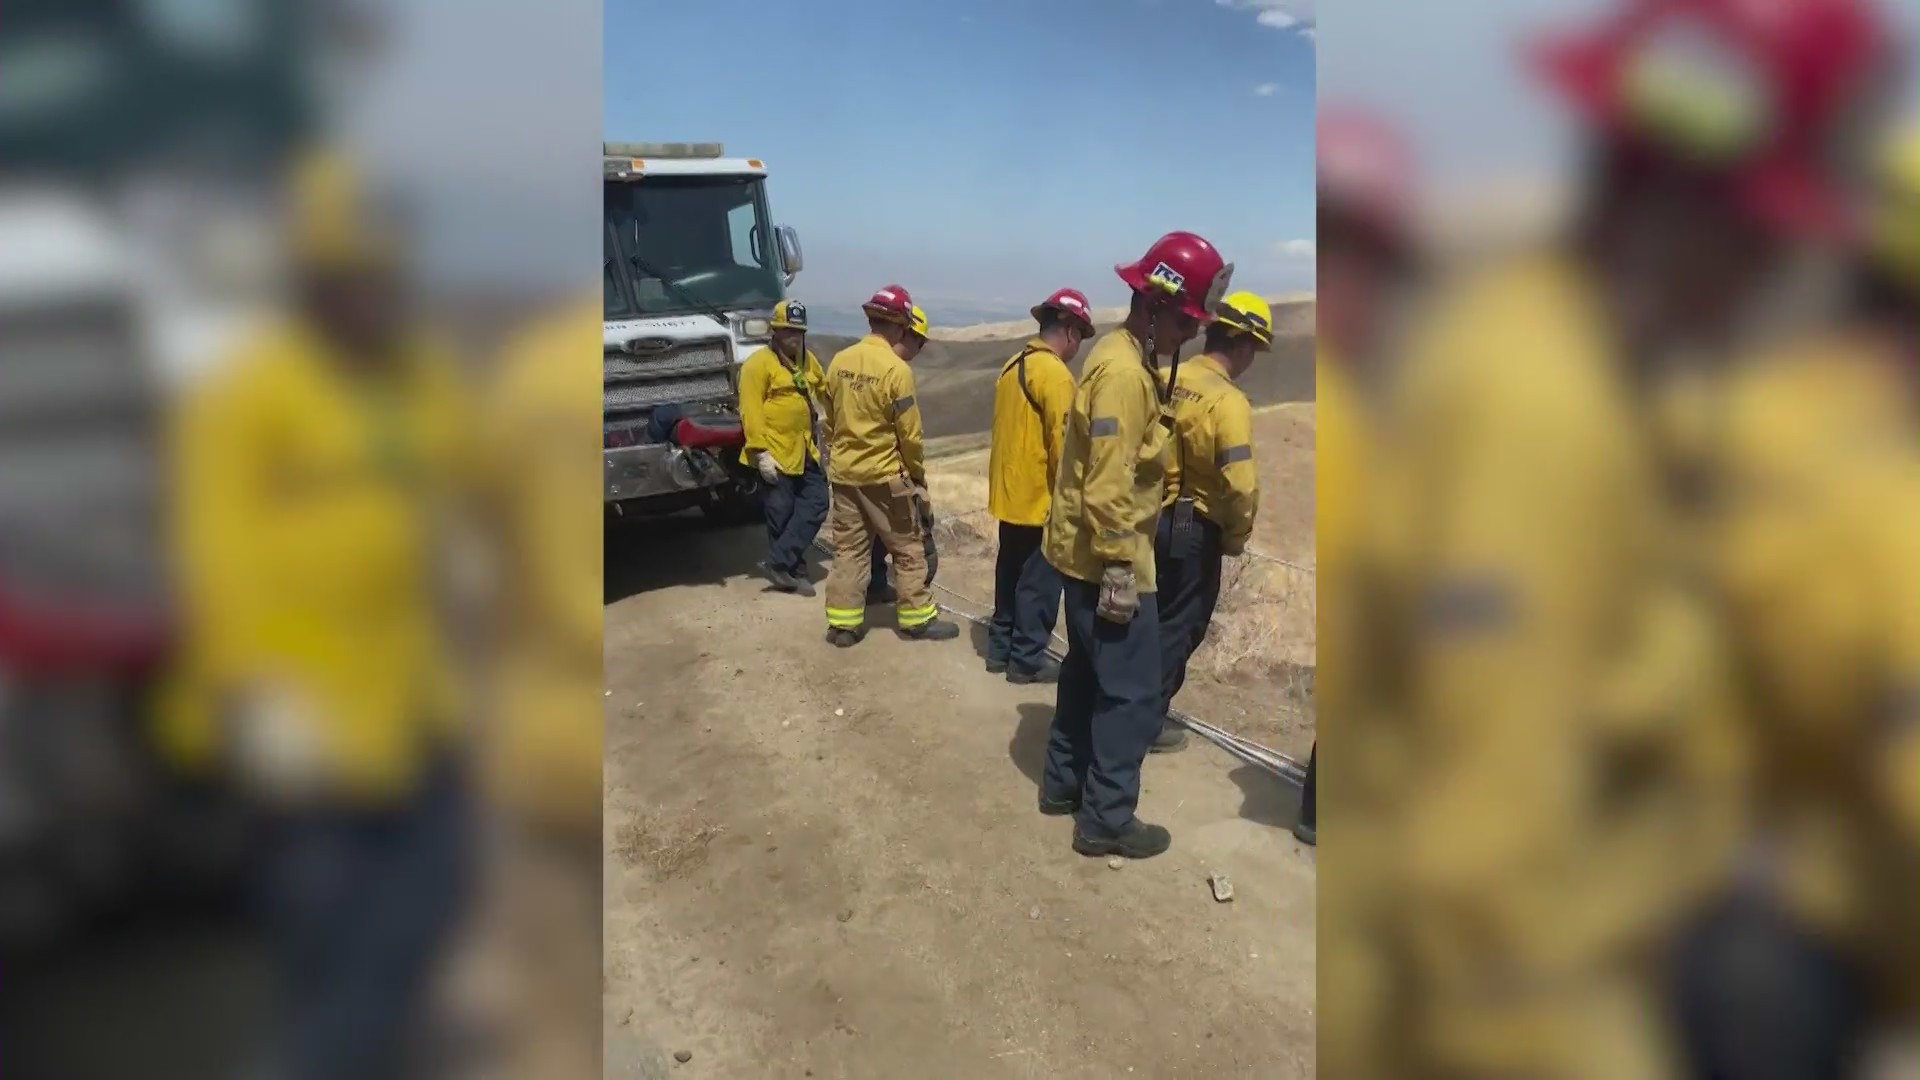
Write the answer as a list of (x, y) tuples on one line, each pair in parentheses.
[(984, 153)]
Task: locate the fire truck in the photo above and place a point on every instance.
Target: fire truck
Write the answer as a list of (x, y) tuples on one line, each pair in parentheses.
[(693, 266)]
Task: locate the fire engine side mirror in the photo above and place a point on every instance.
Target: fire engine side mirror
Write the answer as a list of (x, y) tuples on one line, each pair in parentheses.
[(792, 261)]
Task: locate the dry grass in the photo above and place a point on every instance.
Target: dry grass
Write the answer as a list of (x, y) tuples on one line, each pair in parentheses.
[(1263, 629), (958, 483), (947, 446), (668, 844)]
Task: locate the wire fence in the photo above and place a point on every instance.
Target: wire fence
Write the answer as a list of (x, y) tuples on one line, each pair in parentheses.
[(1245, 749)]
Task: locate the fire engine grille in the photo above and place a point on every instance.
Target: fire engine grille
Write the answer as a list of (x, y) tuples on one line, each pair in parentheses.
[(692, 373), (80, 429)]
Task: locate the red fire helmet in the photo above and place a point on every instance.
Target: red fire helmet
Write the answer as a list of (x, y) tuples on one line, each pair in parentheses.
[(1760, 88), (1365, 168), (1069, 302), (892, 303), (1182, 267)]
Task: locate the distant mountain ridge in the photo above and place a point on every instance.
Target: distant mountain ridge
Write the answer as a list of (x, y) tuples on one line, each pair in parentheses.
[(954, 376), (848, 319), (968, 323)]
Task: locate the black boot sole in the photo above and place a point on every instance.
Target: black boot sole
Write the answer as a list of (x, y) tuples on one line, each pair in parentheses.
[(1059, 807), (1098, 848), (1025, 678), (996, 667), (1170, 748)]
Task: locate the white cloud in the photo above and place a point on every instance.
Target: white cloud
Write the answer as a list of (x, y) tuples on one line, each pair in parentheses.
[(1266, 89), (1295, 250), (1297, 16)]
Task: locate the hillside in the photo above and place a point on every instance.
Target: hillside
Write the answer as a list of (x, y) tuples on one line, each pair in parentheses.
[(954, 374)]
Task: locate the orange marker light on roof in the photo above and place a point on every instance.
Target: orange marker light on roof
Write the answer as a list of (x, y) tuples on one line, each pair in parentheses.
[(755, 163)]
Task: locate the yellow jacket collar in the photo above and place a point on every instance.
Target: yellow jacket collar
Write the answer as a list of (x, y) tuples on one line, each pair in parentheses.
[(1211, 363)]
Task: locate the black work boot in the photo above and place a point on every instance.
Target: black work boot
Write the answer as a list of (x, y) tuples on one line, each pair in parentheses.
[(1058, 805), (786, 582), (1304, 833), (996, 667), (1047, 672), (841, 637), (881, 594), (1137, 841), (931, 630), (1172, 737)]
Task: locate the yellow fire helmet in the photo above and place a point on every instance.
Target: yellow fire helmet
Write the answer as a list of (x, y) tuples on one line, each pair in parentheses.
[(333, 220), (1893, 215), (918, 323), (1247, 313), (789, 315)]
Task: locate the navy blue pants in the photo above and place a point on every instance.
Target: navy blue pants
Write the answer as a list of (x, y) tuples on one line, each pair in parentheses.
[(1189, 590), (1026, 599), (359, 909), (1107, 713), (796, 506), (1760, 996)]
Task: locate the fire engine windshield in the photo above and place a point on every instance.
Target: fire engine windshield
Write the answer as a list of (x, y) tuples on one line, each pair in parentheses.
[(676, 243)]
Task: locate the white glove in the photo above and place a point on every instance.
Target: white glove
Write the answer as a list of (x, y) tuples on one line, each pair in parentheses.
[(768, 470), (275, 737)]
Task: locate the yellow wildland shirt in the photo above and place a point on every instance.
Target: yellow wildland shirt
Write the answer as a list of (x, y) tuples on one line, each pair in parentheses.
[(777, 400), (308, 542), (873, 422), (1029, 427), (1820, 530), (1213, 422), (543, 756), (1113, 467), (1545, 630)]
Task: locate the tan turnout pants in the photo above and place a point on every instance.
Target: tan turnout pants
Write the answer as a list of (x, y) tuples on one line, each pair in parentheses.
[(859, 513)]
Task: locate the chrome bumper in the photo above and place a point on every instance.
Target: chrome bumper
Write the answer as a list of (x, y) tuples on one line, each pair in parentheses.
[(657, 469)]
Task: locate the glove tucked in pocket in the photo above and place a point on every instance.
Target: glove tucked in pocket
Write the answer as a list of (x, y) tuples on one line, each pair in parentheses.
[(1119, 595)]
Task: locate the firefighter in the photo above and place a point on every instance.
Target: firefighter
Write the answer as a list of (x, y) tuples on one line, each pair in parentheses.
[(1560, 674), (877, 474), (780, 386), (1030, 403), (1364, 191), (1212, 489), (543, 750), (1819, 508), (1099, 535), (310, 476)]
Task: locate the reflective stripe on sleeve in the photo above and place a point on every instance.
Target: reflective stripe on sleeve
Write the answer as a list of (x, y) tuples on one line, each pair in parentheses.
[(1231, 454), (1103, 426)]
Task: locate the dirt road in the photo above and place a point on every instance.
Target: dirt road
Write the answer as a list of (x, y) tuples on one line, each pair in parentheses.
[(828, 864)]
